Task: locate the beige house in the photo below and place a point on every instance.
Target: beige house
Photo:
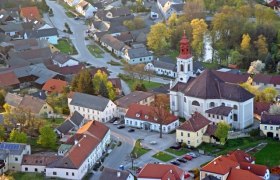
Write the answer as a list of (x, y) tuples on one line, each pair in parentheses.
[(136, 97), (270, 125), (196, 130)]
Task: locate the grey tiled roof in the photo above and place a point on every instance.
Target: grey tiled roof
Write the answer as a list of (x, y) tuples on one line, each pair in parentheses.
[(77, 118), (65, 127), (89, 101), (42, 33), (138, 52), (164, 65), (220, 110), (111, 174)]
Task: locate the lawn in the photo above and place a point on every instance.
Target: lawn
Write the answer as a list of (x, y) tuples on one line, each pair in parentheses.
[(269, 155), (173, 54), (54, 122), (27, 176), (114, 63), (138, 150), (95, 51), (232, 144), (131, 82), (209, 65), (179, 152), (70, 14), (66, 46), (163, 156)]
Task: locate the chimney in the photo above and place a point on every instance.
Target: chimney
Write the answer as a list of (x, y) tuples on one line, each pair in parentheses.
[(118, 174), (75, 142), (249, 167), (170, 171), (215, 162)]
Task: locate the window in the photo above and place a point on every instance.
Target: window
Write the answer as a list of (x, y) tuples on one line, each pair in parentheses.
[(182, 67), (213, 116), (182, 134), (223, 104), (189, 142), (16, 159), (209, 115), (271, 127), (188, 134), (195, 103), (66, 173), (235, 107), (73, 174), (212, 104), (218, 117), (189, 67), (173, 103), (185, 100), (265, 127), (235, 117), (222, 117), (54, 173), (36, 169), (26, 169)]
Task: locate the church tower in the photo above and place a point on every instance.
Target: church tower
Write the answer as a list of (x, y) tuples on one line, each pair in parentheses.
[(184, 61)]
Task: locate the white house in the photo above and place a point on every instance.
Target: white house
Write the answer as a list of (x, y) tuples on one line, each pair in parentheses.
[(141, 116), (92, 107), (72, 2), (12, 154), (270, 125), (86, 9), (168, 7), (137, 55), (112, 44), (63, 60), (189, 94), (49, 34), (87, 147), (162, 67)]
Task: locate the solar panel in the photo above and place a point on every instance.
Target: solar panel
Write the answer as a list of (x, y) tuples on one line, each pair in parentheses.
[(9, 146)]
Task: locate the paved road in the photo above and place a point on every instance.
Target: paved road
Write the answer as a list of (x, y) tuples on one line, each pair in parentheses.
[(79, 28)]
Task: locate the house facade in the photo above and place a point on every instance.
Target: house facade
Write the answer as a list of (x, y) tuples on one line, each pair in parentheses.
[(168, 7), (270, 125), (189, 94), (49, 34), (72, 2), (141, 116), (112, 44), (86, 148), (137, 55), (92, 107), (86, 9), (63, 60)]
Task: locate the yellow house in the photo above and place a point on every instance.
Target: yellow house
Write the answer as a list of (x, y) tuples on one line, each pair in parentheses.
[(270, 125), (196, 130)]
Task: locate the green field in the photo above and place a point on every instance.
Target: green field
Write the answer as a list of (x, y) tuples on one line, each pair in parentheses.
[(95, 51), (163, 156), (131, 82), (180, 152), (269, 155), (138, 150), (66, 46)]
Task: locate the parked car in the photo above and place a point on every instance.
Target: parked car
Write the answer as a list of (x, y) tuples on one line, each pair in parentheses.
[(153, 142), (116, 123), (76, 18), (192, 154), (121, 126), (175, 163), (182, 160), (187, 175), (187, 157), (176, 147), (114, 119), (131, 130)]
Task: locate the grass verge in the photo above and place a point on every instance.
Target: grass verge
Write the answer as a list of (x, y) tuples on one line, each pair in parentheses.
[(66, 46), (131, 82), (26, 176), (138, 150), (114, 63), (179, 152), (95, 51), (163, 156)]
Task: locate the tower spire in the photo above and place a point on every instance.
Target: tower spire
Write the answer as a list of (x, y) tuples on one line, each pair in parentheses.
[(184, 47)]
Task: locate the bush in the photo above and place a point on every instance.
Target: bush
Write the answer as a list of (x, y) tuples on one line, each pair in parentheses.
[(254, 132)]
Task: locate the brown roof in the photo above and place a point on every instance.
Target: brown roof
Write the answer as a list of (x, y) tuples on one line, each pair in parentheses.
[(88, 136), (161, 171), (259, 170), (8, 79), (211, 129), (24, 44), (122, 11), (220, 165), (240, 156), (32, 104), (144, 113), (112, 42), (125, 36), (209, 86), (195, 123), (267, 79), (111, 174), (54, 86), (13, 99), (116, 82), (242, 174), (220, 110), (260, 107), (272, 119), (133, 97), (31, 13), (67, 70), (39, 159), (232, 78)]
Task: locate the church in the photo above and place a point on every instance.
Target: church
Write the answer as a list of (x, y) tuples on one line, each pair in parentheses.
[(208, 94)]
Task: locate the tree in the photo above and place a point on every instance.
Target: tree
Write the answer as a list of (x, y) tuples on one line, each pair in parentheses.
[(261, 46), (199, 29), (82, 82), (111, 91), (18, 137), (160, 111), (140, 72), (47, 137), (172, 20), (194, 9), (269, 94), (136, 23), (235, 57), (2, 133), (158, 38), (103, 91), (274, 109), (245, 43), (256, 67), (252, 89), (137, 86), (99, 77), (222, 131)]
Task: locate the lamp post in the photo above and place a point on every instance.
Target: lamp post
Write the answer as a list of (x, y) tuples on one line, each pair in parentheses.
[(133, 157)]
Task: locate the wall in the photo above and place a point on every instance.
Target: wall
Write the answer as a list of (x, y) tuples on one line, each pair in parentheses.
[(46, 109), (203, 174), (270, 128), (193, 139), (31, 168)]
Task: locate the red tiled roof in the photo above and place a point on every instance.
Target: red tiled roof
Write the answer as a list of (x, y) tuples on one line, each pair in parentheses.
[(211, 129), (195, 123), (260, 107), (161, 171), (8, 79), (220, 165), (144, 113), (54, 86), (31, 13), (94, 128), (240, 156), (259, 170), (267, 79), (242, 174)]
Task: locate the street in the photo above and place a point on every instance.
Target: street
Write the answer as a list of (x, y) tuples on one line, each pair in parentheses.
[(79, 28)]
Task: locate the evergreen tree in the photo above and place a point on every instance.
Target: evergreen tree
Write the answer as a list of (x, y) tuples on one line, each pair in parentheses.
[(103, 91)]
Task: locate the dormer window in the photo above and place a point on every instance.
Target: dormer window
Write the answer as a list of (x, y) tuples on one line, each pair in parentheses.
[(138, 115), (155, 118), (146, 116)]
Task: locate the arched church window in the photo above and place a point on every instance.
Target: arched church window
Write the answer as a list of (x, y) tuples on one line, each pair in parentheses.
[(189, 67), (195, 103), (185, 99), (235, 107), (212, 104), (223, 104), (182, 67)]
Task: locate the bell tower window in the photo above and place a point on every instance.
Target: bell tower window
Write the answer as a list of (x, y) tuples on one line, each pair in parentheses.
[(182, 67)]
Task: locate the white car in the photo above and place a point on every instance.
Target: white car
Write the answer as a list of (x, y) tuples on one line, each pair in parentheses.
[(153, 142), (116, 123)]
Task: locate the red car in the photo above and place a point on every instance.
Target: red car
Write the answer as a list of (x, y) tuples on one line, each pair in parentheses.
[(187, 175), (187, 157)]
